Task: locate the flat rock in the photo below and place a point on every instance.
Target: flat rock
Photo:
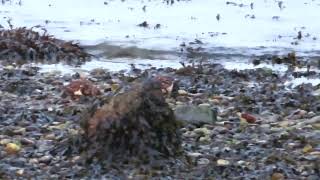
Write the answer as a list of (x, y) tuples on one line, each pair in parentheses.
[(202, 114)]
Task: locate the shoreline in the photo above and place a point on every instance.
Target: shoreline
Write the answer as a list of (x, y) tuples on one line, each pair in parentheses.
[(36, 116)]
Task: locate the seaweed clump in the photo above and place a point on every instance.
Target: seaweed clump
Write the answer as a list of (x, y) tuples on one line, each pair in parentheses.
[(137, 125), (23, 45)]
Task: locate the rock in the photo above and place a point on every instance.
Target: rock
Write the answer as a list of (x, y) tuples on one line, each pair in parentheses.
[(311, 114), (190, 134), (19, 131), (185, 71), (316, 92), (311, 121), (241, 162), (44, 145), (308, 148), (195, 154), (182, 92), (20, 172), (285, 123), (277, 176), (9, 67), (193, 157), (179, 103), (294, 145), (203, 161), (45, 159), (12, 148), (26, 141), (317, 153), (204, 139), (220, 130), (76, 159), (215, 101), (297, 114), (313, 177), (33, 161), (265, 128), (223, 162), (137, 123), (4, 141), (50, 136), (202, 131), (115, 87), (202, 114)]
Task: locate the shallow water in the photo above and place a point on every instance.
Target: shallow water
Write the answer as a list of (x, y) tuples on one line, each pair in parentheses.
[(233, 40), (92, 21)]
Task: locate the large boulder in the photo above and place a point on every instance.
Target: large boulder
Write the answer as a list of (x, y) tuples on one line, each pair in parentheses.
[(135, 124)]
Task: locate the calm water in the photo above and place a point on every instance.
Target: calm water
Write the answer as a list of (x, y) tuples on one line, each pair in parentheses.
[(242, 32)]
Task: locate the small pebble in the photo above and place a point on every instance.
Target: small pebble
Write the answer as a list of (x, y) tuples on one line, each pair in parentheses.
[(182, 92), (203, 161), (223, 162), (204, 139), (45, 159)]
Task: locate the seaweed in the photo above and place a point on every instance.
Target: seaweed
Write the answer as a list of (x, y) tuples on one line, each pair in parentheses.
[(25, 45), (137, 125)]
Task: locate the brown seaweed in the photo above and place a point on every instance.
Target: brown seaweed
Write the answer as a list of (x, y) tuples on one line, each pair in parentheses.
[(23, 45)]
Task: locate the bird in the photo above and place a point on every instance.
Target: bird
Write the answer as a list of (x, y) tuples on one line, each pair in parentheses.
[(299, 35), (280, 3), (218, 17)]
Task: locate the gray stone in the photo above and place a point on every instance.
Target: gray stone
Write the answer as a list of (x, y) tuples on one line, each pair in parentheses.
[(44, 146), (202, 114), (203, 161), (45, 159)]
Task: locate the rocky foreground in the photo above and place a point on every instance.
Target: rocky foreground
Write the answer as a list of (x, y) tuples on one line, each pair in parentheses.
[(232, 124)]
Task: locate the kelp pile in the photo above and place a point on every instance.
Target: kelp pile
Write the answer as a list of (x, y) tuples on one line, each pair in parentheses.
[(23, 45), (137, 125)]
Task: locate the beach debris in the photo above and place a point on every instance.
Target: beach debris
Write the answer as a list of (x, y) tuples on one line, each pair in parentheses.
[(81, 87)]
